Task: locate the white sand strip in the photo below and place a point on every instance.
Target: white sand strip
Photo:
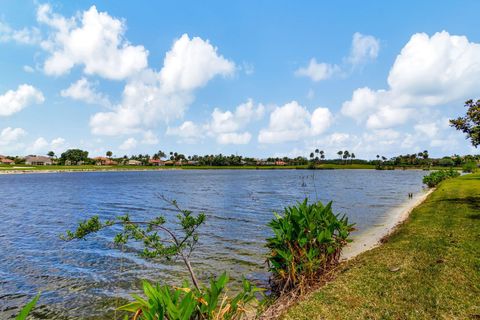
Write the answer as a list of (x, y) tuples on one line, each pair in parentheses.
[(371, 238)]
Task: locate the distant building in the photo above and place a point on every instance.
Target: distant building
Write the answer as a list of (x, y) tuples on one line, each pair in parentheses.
[(104, 161), (156, 162), (4, 160), (134, 163), (38, 161), (280, 163)]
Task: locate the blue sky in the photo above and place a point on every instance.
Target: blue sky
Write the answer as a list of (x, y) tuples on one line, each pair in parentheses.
[(253, 78)]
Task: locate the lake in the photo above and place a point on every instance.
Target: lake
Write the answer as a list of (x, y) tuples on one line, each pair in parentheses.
[(87, 279)]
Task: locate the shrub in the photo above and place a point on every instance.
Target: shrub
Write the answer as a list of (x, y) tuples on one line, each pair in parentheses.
[(307, 242), (470, 167), (165, 302), (434, 178)]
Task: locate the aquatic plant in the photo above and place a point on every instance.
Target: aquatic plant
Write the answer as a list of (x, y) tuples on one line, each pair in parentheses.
[(165, 302), (434, 178), (307, 242)]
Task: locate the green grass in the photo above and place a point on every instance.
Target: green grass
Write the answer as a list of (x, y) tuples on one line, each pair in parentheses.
[(428, 269)]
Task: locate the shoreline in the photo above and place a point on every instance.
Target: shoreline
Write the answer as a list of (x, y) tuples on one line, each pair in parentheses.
[(372, 237)]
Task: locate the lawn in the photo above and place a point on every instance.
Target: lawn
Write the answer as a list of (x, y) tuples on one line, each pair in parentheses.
[(428, 269)]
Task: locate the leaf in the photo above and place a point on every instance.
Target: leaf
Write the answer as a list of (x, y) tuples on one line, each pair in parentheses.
[(27, 308)]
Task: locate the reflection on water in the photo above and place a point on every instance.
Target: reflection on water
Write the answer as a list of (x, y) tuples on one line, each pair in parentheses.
[(87, 279)]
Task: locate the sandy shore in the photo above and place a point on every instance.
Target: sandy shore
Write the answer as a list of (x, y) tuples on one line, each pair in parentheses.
[(371, 238)]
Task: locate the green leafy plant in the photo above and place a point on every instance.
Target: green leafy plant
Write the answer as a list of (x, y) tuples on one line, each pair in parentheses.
[(434, 178), (307, 243), (166, 302), (27, 308)]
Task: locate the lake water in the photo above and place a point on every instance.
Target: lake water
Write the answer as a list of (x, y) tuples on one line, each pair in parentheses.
[(86, 279)]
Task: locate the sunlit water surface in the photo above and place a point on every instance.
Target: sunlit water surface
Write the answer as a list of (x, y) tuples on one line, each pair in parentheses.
[(88, 279)]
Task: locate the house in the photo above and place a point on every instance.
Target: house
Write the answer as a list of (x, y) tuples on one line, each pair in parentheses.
[(38, 161), (280, 163), (134, 163), (169, 163), (192, 163), (156, 162), (104, 161), (4, 160)]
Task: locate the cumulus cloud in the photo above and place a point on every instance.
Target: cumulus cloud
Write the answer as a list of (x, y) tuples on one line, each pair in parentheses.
[(234, 138), (428, 71), (11, 135), (42, 146), (292, 122), (364, 48), (128, 144), (188, 132), (92, 39), (317, 71), (84, 90), (149, 138), (15, 100), (152, 96)]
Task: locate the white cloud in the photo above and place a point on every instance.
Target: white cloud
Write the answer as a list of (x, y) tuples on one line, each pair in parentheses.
[(228, 121), (317, 71), (84, 90), (428, 129), (234, 138), (128, 144), (149, 138), (22, 36), (11, 135), (58, 144), (429, 71), (188, 132), (364, 48), (292, 122), (151, 97), (42, 146), (92, 39), (15, 100), (191, 63), (39, 145)]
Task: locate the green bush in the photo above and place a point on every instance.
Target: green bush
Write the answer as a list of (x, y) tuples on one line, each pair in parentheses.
[(165, 302), (470, 167), (434, 178), (307, 242)]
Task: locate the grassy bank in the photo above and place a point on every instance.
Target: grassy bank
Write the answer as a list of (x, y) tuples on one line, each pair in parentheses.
[(428, 269)]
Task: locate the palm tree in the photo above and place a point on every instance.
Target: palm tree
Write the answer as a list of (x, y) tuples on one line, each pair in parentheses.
[(352, 156), (109, 154), (346, 155), (340, 153), (51, 154), (322, 155), (311, 156)]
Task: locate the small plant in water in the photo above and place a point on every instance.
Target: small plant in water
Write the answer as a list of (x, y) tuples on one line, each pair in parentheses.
[(165, 302), (307, 242)]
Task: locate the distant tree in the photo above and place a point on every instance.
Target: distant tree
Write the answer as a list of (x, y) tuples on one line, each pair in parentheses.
[(51, 154), (470, 123), (352, 156), (74, 156), (346, 155), (161, 154), (109, 154), (340, 153), (384, 158), (311, 156), (322, 155), (378, 157)]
